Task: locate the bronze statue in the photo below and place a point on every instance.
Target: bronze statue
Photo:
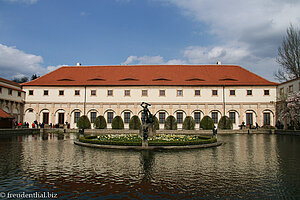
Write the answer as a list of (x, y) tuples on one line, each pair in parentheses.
[(147, 117), (146, 129)]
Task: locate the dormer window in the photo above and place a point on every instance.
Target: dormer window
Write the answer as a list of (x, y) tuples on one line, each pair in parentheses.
[(161, 79)]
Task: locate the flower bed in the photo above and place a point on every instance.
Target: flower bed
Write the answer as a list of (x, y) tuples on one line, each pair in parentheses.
[(158, 140)]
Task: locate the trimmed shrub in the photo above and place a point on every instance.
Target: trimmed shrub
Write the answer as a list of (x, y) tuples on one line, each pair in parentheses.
[(207, 123), (117, 123), (156, 123), (135, 123), (83, 122), (189, 123), (100, 122), (225, 123), (170, 123)]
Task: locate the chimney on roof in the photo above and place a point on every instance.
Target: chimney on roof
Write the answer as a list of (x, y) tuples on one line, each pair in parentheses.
[(78, 64), (219, 63)]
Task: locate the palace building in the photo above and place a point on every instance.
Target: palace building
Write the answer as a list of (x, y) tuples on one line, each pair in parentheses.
[(179, 90)]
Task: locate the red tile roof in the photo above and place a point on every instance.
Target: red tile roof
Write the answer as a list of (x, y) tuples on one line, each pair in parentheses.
[(5, 86), (10, 82), (4, 114), (150, 75)]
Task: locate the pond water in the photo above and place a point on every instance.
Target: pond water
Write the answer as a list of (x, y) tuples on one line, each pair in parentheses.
[(244, 167)]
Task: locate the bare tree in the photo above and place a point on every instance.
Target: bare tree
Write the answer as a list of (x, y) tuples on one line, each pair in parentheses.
[(289, 56)]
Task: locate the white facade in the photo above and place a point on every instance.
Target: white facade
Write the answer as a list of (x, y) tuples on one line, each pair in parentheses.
[(12, 98), (62, 103), (289, 87)]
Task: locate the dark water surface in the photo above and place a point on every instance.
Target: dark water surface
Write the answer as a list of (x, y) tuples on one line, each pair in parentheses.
[(245, 167)]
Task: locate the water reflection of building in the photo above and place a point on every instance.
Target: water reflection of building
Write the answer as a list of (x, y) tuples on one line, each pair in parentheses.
[(179, 90), (12, 98)]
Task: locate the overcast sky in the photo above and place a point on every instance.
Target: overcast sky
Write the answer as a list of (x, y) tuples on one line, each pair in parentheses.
[(38, 36)]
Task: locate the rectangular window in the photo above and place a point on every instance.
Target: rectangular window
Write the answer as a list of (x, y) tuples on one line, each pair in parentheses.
[(110, 93), (9, 91), (281, 91), (46, 92), (249, 92), (76, 116), (144, 92), (162, 92), (232, 117), (267, 119), (179, 93), (179, 117), (290, 88), (162, 117), (93, 116), (19, 94), (110, 117), (214, 116), (61, 92), (126, 92), (232, 92), (197, 92), (214, 92), (0, 89), (298, 90), (266, 92), (249, 118), (197, 117), (126, 117), (93, 92), (77, 92), (30, 92)]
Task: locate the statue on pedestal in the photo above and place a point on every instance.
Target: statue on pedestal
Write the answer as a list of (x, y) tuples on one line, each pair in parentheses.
[(146, 129)]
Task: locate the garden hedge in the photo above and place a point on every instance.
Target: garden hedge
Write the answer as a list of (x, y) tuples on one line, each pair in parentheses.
[(135, 123), (170, 123), (100, 122), (83, 122), (151, 143), (207, 123), (189, 123), (156, 123), (117, 123), (225, 123)]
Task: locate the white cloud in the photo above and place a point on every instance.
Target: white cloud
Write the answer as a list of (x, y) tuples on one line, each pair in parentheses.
[(143, 60), (208, 55), (23, 1), (52, 68), (245, 31), (15, 63)]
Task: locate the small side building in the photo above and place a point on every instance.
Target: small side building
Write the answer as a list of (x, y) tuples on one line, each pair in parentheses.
[(12, 99), (288, 87)]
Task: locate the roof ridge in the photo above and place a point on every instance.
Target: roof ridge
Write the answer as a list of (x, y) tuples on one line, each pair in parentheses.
[(256, 75)]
